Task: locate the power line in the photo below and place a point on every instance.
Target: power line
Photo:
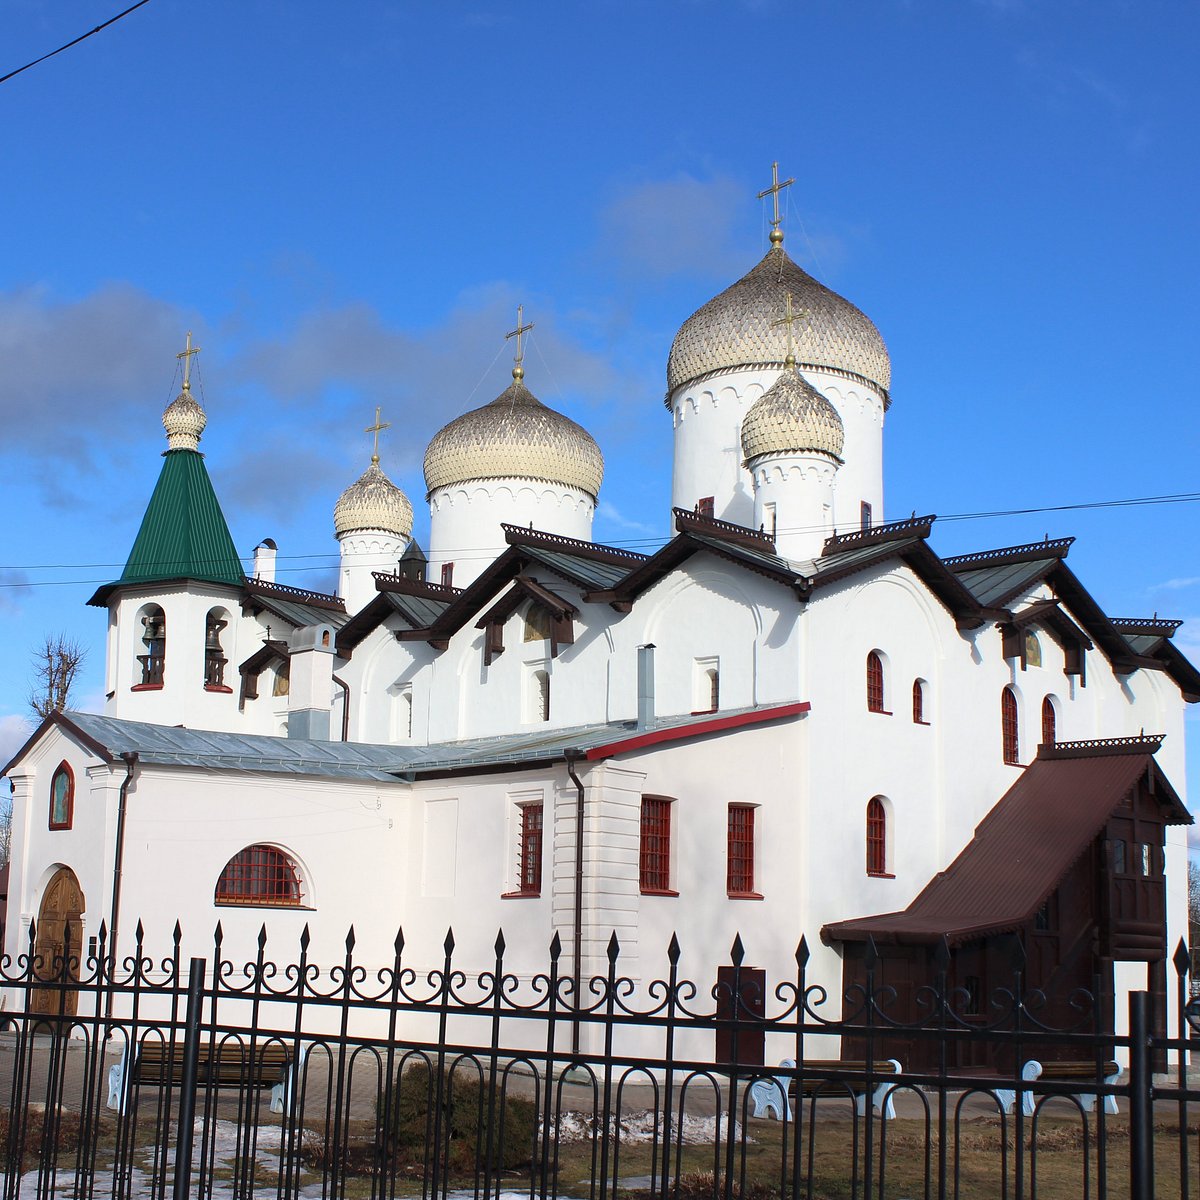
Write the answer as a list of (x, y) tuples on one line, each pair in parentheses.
[(471, 552), (75, 42)]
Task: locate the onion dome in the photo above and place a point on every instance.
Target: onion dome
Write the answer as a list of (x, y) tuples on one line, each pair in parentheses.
[(516, 436), (738, 329), (373, 501), (791, 416), (184, 421)]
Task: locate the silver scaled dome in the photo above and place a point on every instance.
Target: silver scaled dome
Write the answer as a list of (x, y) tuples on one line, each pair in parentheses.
[(791, 416), (516, 436), (373, 501), (740, 329), (184, 421)]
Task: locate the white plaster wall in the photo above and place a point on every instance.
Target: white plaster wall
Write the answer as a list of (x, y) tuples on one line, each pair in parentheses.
[(465, 520), (799, 488), (708, 418), (364, 551)]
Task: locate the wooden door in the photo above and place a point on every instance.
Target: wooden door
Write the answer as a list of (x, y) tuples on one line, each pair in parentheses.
[(59, 933), (744, 1046)]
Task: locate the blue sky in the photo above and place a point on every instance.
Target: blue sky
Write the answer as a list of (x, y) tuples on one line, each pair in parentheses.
[(346, 202)]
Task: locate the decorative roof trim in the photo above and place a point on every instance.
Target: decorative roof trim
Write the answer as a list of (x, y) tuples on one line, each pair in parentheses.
[(1146, 743), (1162, 627), (386, 582), (688, 521), (518, 535), (910, 527), (1029, 552), (884, 393), (283, 591)]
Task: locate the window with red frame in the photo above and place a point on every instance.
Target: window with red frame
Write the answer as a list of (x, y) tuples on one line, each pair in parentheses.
[(704, 507), (1008, 726), (919, 703), (876, 837), (260, 875), (1049, 722), (874, 683), (447, 574), (531, 850), (739, 869), (655, 857), (62, 797)]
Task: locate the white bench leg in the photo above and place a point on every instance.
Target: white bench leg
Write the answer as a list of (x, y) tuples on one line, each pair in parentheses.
[(116, 1086), (770, 1095)]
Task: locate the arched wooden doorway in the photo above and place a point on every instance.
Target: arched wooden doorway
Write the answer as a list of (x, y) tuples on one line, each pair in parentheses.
[(59, 927)]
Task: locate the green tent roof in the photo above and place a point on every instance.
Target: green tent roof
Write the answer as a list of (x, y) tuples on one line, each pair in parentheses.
[(183, 534)]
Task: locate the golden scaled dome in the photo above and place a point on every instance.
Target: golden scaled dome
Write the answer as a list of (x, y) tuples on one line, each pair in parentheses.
[(516, 436), (791, 416), (740, 329), (184, 421), (373, 501)]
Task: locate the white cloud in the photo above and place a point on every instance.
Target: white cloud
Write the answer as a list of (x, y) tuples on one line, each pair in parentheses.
[(607, 511), (1175, 584)]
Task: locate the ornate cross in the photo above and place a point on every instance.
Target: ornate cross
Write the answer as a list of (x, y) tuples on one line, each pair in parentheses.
[(789, 319), (516, 333), (773, 191), (186, 355), (376, 429)]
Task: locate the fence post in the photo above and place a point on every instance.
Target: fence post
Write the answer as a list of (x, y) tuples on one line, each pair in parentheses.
[(192, 1017), (1141, 1099)]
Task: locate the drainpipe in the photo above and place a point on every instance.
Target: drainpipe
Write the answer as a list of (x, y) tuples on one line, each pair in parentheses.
[(130, 758), (345, 707), (572, 755)]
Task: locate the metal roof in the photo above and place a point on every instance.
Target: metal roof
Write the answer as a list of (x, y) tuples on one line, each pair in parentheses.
[(419, 611), (992, 586), (586, 572), (1024, 846), (183, 534), (164, 745), (299, 615)]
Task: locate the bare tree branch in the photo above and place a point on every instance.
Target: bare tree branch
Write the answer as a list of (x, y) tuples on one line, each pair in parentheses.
[(55, 665)]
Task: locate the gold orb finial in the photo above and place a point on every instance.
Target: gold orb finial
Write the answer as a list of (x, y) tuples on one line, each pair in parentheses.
[(518, 372), (776, 237)]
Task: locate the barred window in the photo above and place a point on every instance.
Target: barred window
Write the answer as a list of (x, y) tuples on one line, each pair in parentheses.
[(876, 837), (919, 702), (1049, 722), (1008, 726), (655, 858), (531, 849), (739, 871), (874, 683), (260, 875)]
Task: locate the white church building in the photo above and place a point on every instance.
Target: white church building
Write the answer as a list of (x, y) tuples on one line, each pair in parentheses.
[(793, 718)]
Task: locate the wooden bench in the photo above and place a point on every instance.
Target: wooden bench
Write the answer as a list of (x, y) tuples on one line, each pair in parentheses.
[(1062, 1072), (228, 1063), (828, 1077)]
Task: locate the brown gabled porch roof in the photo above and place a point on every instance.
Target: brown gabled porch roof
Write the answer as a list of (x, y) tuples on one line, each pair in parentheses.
[(1025, 846)]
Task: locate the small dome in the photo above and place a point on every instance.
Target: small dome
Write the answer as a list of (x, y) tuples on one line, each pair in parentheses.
[(373, 501), (791, 416), (739, 328), (516, 436), (184, 421)]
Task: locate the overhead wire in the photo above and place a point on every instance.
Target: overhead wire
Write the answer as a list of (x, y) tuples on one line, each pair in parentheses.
[(74, 41)]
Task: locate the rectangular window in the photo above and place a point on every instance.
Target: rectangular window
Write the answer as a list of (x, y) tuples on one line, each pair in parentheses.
[(655, 859), (768, 521), (865, 515), (530, 853), (447, 574), (704, 507), (739, 870)]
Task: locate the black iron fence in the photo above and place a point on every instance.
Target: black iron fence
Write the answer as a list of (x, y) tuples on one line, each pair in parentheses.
[(201, 1077)]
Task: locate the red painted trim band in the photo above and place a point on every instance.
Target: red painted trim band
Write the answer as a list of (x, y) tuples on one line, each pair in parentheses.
[(697, 728)]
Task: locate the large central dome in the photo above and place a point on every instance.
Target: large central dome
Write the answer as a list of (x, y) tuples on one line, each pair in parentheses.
[(516, 436), (736, 330)]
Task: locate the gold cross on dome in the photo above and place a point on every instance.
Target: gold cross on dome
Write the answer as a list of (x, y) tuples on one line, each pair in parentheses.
[(186, 355), (789, 318), (518, 369), (376, 429), (773, 191)]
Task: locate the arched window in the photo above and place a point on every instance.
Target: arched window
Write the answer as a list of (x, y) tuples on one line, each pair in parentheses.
[(713, 677), (260, 875), (1049, 722), (1008, 726), (876, 837), (541, 696), (875, 682), (214, 656), (154, 639), (62, 797), (919, 717)]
